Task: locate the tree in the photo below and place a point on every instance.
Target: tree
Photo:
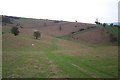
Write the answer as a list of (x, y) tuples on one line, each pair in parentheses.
[(104, 24), (96, 21), (113, 38), (15, 31), (111, 24), (36, 34)]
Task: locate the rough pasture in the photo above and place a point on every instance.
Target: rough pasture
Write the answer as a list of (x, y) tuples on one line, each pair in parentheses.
[(58, 54)]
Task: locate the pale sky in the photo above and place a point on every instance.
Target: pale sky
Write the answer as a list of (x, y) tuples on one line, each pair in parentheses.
[(70, 10)]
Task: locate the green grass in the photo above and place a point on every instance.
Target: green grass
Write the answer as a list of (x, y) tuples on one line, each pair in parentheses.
[(113, 30), (48, 59), (90, 68), (61, 61)]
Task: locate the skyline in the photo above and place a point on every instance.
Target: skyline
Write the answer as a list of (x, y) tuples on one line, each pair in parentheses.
[(83, 11)]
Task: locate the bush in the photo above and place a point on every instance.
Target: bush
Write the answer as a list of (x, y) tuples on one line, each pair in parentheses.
[(72, 32), (15, 31), (75, 26), (36, 34), (104, 24), (81, 29), (111, 24), (113, 38), (60, 28), (97, 22)]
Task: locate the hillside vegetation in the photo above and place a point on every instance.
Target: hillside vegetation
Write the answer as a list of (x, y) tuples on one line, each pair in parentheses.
[(78, 50)]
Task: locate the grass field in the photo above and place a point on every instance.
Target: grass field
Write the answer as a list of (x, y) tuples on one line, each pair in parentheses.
[(78, 50), (52, 57)]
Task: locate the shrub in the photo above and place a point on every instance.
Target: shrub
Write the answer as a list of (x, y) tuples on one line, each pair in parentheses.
[(81, 29), (104, 24), (113, 38), (72, 32), (111, 24), (60, 28), (97, 22), (15, 31), (36, 34), (75, 26)]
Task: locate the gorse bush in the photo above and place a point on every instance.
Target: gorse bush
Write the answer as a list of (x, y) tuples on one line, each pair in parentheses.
[(15, 31), (113, 38), (104, 24), (36, 34)]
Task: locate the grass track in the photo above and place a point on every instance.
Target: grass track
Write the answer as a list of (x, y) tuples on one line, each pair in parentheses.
[(68, 64), (47, 59)]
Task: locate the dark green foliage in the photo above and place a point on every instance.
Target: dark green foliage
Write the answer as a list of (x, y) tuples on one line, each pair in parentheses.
[(113, 38), (36, 34), (117, 26), (15, 31), (81, 29), (97, 22), (111, 24), (104, 24), (72, 32)]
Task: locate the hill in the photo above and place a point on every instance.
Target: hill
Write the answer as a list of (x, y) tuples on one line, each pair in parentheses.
[(78, 50), (51, 27)]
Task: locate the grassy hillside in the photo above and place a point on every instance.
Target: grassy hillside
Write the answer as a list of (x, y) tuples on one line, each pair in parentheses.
[(66, 53), (53, 57)]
